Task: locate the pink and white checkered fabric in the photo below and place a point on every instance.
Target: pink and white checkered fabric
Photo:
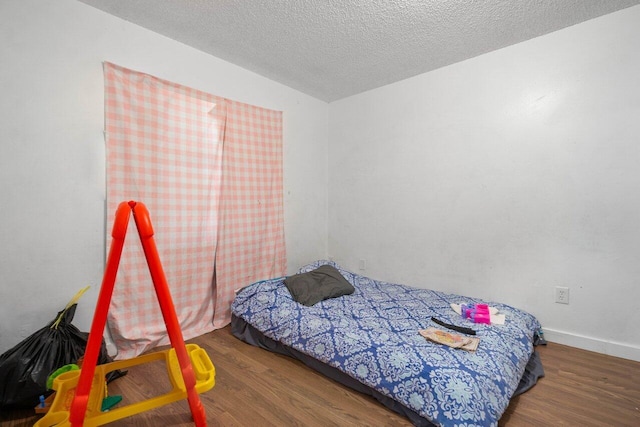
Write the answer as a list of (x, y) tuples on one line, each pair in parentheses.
[(165, 148), (251, 233)]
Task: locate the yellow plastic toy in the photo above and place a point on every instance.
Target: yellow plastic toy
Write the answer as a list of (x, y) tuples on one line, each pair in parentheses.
[(65, 385)]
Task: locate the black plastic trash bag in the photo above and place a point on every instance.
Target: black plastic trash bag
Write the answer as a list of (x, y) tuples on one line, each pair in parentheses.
[(24, 369)]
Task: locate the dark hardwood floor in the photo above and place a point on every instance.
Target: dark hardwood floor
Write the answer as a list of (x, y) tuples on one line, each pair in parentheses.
[(258, 388)]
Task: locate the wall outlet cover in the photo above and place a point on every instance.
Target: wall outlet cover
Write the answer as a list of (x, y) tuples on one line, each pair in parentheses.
[(562, 295)]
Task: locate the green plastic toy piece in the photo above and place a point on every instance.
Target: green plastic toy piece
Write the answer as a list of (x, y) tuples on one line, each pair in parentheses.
[(65, 368)]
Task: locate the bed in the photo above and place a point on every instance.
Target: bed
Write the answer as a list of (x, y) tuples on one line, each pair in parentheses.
[(369, 341)]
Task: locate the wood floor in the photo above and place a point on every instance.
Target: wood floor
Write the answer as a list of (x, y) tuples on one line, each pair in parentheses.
[(258, 388)]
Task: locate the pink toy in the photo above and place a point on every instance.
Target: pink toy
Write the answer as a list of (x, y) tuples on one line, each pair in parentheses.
[(479, 313)]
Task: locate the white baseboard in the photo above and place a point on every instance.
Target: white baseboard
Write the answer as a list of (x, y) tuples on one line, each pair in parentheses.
[(611, 348)]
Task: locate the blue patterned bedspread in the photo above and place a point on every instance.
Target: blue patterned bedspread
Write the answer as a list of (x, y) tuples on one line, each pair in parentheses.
[(372, 335)]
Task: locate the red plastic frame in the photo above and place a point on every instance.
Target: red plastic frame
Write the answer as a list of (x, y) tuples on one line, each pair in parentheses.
[(145, 231)]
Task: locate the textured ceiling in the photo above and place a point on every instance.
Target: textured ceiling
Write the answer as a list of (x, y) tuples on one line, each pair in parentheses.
[(331, 49)]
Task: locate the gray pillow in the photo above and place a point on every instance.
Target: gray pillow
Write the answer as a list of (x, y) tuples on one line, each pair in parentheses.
[(317, 285)]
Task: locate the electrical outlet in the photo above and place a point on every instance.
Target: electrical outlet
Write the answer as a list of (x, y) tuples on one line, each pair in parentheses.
[(562, 295), (362, 265)]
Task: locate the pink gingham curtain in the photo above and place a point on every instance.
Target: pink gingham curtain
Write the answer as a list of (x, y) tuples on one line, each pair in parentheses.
[(251, 233), (197, 161)]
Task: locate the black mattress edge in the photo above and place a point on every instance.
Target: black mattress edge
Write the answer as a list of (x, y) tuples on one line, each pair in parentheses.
[(246, 332)]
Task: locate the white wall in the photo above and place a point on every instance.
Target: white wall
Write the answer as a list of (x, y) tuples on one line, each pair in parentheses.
[(502, 177), (52, 157)]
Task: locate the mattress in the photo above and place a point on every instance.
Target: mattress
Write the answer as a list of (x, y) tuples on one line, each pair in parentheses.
[(369, 341)]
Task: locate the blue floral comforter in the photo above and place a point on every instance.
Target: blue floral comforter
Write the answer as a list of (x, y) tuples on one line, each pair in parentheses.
[(372, 335)]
